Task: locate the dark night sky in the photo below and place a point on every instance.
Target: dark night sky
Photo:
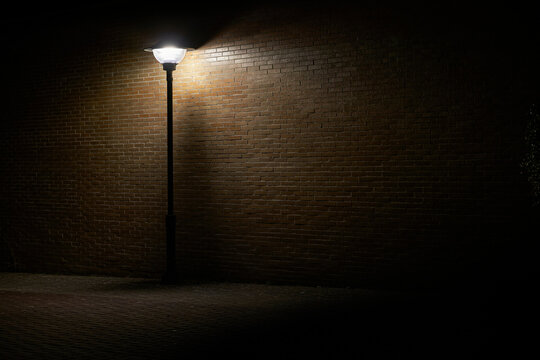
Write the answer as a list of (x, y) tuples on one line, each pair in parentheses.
[(509, 31), (52, 20), (56, 19), (516, 22)]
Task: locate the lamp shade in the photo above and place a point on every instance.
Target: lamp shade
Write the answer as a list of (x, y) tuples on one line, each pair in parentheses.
[(168, 51), (169, 55)]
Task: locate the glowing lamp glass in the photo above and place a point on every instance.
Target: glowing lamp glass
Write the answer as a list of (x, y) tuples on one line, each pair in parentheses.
[(169, 55)]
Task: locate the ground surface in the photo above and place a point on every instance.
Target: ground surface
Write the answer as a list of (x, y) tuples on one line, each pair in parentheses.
[(76, 317)]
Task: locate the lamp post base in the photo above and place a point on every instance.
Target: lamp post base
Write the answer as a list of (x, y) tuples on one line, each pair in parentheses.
[(169, 279), (170, 273)]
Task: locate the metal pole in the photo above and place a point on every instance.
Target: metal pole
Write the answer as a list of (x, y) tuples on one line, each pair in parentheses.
[(170, 274)]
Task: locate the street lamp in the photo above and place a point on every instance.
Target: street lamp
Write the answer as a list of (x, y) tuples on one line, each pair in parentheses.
[(169, 55)]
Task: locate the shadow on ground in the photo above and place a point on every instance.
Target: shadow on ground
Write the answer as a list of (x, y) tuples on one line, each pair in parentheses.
[(63, 317), (386, 327)]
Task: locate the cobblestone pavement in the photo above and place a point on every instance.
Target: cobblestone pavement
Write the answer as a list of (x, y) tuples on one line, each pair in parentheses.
[(78, 317)]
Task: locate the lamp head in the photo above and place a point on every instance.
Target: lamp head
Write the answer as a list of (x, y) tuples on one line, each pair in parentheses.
[(168, 52)]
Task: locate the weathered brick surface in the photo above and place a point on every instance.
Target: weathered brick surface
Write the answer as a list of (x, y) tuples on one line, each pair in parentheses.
[(85, 317), (326, 147)]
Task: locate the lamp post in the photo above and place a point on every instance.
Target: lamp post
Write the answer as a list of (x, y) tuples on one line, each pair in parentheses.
[(169, 55)]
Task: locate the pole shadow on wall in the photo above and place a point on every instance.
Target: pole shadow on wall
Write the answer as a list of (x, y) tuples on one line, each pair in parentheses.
[(196, 208)]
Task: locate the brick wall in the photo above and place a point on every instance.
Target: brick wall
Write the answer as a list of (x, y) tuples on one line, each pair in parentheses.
[(323, 146)]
